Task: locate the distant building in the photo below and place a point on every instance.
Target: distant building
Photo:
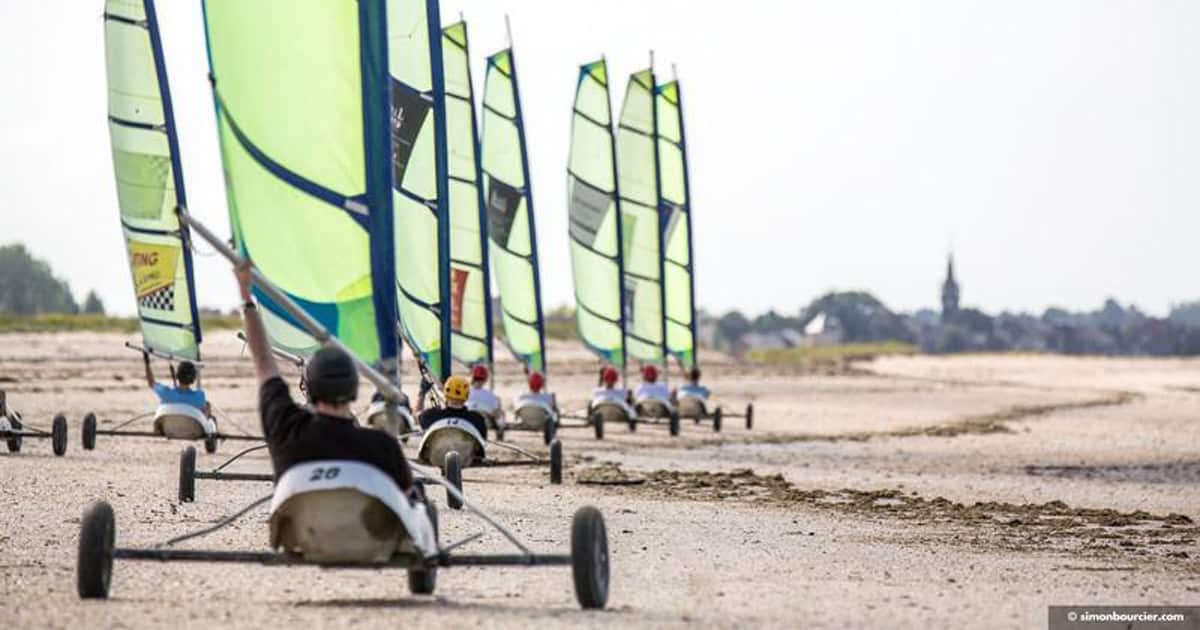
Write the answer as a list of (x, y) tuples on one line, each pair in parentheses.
[(950, 291), (823, 330)]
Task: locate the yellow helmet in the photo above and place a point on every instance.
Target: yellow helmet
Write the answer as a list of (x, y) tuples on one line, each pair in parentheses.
[(457, 388)]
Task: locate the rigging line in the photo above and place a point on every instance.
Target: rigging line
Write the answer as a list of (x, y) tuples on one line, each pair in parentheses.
[(227, 418), (223, 523)]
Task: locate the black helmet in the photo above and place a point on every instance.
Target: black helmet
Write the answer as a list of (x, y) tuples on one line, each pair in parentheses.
[(186, 373), (331, 376)]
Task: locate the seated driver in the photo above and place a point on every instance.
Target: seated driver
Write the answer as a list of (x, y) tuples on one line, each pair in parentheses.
[(608, 384), (693, 388), (482, 399), (650, 387), (184, 392), (536, 383), (326, 428), (456, 391)]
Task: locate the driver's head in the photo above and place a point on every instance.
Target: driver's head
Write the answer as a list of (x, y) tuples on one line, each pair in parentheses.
[(479, 375), (186, 373), (609, 376), (694, 376), (456, 389), (331, 377), (536, 381), (649, 373)]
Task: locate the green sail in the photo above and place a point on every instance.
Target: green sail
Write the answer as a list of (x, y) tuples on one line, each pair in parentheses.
[(470, 286), (678, 270), (302, 113), (641, 232), (420, 182), (145, 154), (511, 227), (594, 228)]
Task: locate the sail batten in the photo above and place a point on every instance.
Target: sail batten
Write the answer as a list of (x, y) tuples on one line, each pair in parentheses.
[(149, 179), (512, 232)]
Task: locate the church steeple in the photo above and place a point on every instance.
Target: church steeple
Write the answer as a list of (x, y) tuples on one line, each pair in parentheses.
[(949, 290)]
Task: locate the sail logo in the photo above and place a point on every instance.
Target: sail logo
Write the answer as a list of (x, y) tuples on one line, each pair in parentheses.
[(458, 282), (153, 267), (503, 201), (409, 111)]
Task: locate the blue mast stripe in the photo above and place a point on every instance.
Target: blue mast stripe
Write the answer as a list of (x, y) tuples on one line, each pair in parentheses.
[(434, 30), (377, 147)]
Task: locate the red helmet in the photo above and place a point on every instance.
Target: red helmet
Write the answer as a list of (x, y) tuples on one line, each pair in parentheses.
[(479, 372), (609, 375), (536, 381), (649, 373)]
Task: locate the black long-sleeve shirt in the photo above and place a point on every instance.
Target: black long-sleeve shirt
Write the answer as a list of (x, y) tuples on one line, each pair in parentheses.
[(295, 435)]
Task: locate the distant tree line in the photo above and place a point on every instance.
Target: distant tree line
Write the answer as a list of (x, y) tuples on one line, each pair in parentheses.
[(859, 317), (29, 287)]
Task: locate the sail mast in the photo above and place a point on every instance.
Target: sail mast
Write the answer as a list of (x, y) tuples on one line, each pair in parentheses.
[(533, 248), (433, 23)]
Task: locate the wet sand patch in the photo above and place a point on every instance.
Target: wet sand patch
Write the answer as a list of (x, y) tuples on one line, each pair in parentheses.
[(1053, 526)]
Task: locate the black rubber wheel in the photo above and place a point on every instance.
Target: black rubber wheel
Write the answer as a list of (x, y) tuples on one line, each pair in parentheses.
[(452, 470), (589, 557), (556, 462), (89, 432), (750, 416), (673, 423), (93, 573), (187, 475), (58, 435), (14, 441), (210, 444), (499, 433), (631, 422), (549, 430), (598, 426), (423, 581), (717, 420)]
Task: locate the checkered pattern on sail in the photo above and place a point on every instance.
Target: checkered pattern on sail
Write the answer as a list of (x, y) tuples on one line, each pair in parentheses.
[(161, 300)]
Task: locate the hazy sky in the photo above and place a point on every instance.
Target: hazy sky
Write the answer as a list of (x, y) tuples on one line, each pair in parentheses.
[(1055, 144)]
